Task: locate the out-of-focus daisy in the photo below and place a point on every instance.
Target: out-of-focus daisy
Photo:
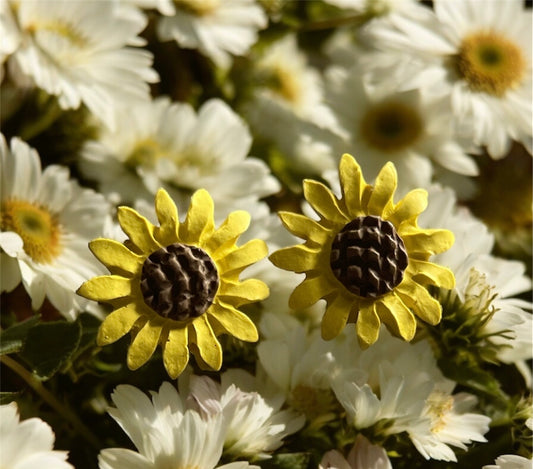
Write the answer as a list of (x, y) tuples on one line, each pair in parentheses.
[(253, 428), (479, 55), (79, 52), (165, 433), (408, 128), (164, 144), (362, 455), (217, 28), (28, 443), (177, 284), (510, 461), (366, 256), (47, 220)]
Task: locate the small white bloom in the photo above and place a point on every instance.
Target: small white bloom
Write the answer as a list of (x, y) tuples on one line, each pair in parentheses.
[(217, 28), (510, 461), (164, 144), (362, 455), (47, 221), (409, 128), (165, 433), (28, 443), (78, 52), (478, 55), (253, 428)]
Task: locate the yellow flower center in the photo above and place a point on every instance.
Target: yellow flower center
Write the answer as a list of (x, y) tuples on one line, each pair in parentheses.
[(285, 84), (368, 257), (179, 281), (61, 28), (391, 126), (490, 63), (310, 401), (439, 405), (145, 153), (197, 7), (39, 229)]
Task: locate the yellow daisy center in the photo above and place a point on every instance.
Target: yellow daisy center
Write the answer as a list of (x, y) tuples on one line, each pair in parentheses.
[(179, 281), (61, 28), (368, 257), (310, 401), (285, 84), (490, 63), (145, 153), (197, 7), (439, 406), (39, 229), (391, 126)]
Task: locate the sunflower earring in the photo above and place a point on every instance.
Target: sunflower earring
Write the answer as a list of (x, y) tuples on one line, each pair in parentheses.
[(177, 284), (366, 256)]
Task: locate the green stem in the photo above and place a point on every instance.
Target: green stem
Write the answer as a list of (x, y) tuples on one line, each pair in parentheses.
[(51, 400), (45, 120)]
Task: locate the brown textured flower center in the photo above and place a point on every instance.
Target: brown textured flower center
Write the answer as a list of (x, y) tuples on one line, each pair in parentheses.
[(179, 281), (490, 63), (368, 257)]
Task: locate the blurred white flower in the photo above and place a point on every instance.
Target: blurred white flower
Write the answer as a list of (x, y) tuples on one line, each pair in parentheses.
[(165, 144), (510, 461), (78, 52), (47, 221), (408, 128), (29, 443), (165, 433), (478, 55), (217, 28), (253, 428), (362, 455)]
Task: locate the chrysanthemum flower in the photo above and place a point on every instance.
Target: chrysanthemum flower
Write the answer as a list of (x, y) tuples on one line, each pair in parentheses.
[(366, 256), (177, 284)]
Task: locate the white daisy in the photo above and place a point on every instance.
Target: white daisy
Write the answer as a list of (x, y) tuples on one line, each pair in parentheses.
[(362, 455), (409, 128), (165, 144), (165, 433), (510, 461), (376, 8), (28, 443), (47, 221), (478, 54), (253, 427), (78, 52), (217, 28)]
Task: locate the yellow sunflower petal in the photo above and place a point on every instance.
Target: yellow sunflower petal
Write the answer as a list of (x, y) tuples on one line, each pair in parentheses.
[(428, 272), (207, 343), (412, 205), (117, 324), (425, 243), (106, 287), (304, 227), (380, 202), (167, 214), (310, 291), (144, 344), (397, 316), (323, 201), (139, 229), (234, 322), (243, 292), (223, 239), (298, 258), (420, 301), (367, 325), (335, 317), (245, 255), (199, 223), (116, 257), (176, 351), (352, 184)]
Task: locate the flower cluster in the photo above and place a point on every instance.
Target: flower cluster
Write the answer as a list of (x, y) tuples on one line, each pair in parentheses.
[(266, 234)]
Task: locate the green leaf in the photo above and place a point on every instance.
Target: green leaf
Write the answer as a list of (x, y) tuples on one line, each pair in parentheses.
[(287, 461), (49, 346), (7, 397), (12, 339)]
